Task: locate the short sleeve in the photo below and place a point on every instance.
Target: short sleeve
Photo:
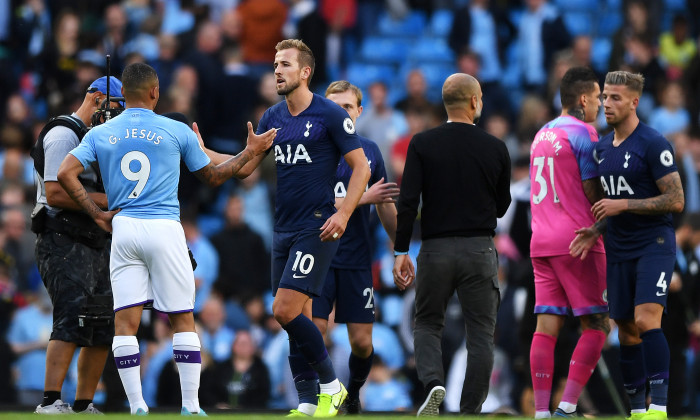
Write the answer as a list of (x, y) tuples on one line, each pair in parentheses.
[(341, 129), (86, 152), (583, 145), (660, 158), (192, 153), (264, 122)]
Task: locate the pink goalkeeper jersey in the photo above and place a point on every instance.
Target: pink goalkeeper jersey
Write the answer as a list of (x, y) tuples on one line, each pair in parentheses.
[(561, 156)]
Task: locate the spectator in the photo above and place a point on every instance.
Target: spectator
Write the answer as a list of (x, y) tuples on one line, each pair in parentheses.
[(671, 117), (206, 257), (216, 337), (243, 380), (416, 90), (417, 121), (28, 337), (541, 34), (676, 48), (244, 263), (380, 121), (496, 100), (261, 30), (383, 392)]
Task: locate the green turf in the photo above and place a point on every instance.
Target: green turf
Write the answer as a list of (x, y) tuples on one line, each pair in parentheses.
[(248, 416)]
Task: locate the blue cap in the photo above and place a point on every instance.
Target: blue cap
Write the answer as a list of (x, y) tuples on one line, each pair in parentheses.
[(115, 86)]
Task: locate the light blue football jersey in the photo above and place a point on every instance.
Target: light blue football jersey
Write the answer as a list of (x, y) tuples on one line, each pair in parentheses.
[(139, 155)]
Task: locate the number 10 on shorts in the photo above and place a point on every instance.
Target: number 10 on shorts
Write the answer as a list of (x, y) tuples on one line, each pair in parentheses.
[(305, 262)]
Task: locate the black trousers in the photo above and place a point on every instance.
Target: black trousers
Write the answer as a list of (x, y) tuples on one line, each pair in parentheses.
[(468, 266)]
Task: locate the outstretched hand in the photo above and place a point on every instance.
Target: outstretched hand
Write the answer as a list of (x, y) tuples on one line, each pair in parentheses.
[(260, 143), (583, 242), (380, 192), (103, 219), (195, 128)]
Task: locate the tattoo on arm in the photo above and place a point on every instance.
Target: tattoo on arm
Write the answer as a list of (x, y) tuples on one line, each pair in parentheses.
[(601, 226), (80, 196), (671, 199), (216, 175), (593, 190)]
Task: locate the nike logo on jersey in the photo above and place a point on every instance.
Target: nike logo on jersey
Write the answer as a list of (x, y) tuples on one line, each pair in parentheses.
[(298, 277), (601, 160), (660, 294)]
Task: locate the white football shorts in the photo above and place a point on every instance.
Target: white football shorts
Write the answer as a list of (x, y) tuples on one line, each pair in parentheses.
[(150, 262)]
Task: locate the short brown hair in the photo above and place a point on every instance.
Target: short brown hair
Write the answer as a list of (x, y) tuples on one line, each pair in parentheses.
[(341, 86), (633, 81), (305, 57)]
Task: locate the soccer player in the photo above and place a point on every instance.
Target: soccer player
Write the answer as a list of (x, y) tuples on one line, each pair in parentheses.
[(139, 155), (642, 188), (349, 280), (564, 178), (312, 134)]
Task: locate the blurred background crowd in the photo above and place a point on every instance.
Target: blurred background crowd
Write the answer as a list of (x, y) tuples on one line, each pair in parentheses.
[(214, 60)]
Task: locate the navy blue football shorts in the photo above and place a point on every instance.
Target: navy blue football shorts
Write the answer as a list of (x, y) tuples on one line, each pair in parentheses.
[(300, 261), (637, 281), (352, 292)]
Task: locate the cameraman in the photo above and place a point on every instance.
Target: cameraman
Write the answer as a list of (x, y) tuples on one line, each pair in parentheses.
[(73, 257)]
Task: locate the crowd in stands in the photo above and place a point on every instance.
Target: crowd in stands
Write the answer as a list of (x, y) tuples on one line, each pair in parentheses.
[(214, 62)]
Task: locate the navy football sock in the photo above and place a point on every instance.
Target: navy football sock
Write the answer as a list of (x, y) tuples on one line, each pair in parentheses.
[(657, 360), (359, 370), (310, 342), (634, 375), (305, 378)]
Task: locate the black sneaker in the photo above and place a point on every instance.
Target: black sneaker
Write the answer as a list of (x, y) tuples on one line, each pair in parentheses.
[(353, 406)]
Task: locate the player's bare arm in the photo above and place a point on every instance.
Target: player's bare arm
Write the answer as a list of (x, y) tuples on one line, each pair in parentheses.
[(68, 178), (380, 192), (215, 175), (593, 190), (219, 158), (56, 196), (334, 227), (670, 200)]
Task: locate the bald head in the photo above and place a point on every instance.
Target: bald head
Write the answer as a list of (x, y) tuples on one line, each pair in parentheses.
[(458, 89)]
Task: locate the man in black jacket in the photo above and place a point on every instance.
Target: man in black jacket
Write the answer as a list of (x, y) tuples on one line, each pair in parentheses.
[(463, 176)]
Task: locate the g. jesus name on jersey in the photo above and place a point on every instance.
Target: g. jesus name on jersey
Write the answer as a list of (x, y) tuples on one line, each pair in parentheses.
[(630, 171)]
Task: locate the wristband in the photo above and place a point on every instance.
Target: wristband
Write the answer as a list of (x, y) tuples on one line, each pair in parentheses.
[(397, 253)]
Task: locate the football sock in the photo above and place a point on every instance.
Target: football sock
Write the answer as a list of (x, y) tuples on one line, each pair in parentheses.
[(583, 362), (542, 369), (186, 351), (128, 361), (634, 376), (50, 397), (81, 405), (657, 360), (359, 370), (305, 378), (310, 342)]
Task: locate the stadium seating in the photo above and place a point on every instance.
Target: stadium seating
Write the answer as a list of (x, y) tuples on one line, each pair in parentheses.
[(441, 22), (578, 23), (428, 49), (600, 54), (363, 74), (608, 23), (578, 5), (412, 25), (385, 49)]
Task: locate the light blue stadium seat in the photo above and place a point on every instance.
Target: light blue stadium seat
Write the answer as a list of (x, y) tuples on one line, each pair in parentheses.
[(363, 74), (600, 54), (515, 16), (431, 50), (676, 5), (441, 22), (412, 25), (614, 5), (578, 5), (578, 23), (385, 49), (608, 22)]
